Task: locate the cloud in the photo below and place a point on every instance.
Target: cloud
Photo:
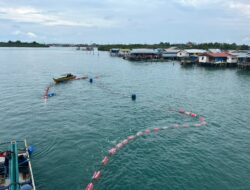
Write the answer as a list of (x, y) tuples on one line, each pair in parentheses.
[(28, 34), (31, 34), (239, 7), (243, 8), (197, 3), (32, 15)]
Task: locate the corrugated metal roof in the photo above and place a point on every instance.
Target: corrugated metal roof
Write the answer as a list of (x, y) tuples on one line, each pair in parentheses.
[(195, 50), (241, 55), (169, 55), (214, 50), (148, 51), (223, 54)]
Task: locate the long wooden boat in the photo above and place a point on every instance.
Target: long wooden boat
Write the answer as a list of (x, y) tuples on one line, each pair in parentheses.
[(15, 166), (64, 78)]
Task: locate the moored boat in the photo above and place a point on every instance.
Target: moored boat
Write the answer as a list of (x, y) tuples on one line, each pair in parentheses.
[(64, 78), (15, 166)]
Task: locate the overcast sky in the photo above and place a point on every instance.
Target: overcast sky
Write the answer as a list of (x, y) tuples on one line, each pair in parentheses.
[(125, 21)]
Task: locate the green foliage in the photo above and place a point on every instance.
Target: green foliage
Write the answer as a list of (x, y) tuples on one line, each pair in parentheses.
[(21, 44), (164, 45)]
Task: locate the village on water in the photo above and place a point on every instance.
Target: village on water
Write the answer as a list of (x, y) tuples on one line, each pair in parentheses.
[(210, 57)]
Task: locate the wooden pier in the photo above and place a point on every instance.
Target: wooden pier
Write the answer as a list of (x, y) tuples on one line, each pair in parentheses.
[(244, 66)]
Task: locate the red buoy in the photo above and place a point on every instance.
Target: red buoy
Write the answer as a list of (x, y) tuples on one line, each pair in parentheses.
[(90, 186), (156, 130), (124, 142), (130, 138), (119, 145), (147, 131), (97, 175), (112, 151), (105, 161), (193, 114)]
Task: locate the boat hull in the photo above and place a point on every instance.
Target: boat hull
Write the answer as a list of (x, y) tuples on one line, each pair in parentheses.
[(64, 79)]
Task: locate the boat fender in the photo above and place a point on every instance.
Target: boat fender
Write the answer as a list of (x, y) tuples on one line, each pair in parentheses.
[(90, 186), (105, 161), (112, 151), (97, 175)]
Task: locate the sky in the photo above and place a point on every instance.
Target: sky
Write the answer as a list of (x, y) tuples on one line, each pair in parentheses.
[(125, 21)]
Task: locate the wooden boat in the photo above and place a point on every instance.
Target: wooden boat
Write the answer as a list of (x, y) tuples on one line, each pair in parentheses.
[(15, 166), (64, 78)]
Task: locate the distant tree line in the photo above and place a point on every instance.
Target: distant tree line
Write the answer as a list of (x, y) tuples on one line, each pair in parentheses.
[(21, 44), (189, 45)]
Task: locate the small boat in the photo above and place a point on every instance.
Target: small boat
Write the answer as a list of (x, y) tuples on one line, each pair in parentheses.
[(64, 78), (15, 166)]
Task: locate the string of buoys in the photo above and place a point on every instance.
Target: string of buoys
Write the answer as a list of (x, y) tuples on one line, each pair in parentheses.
[(48, 94), (113, 151)]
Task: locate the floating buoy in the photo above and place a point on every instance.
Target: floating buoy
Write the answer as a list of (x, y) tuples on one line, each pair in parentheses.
[(203, 123), (105, 161), (139, 134), (147, 131), (130, 138), (156, 130), (119, 146), (91, 80), (51, 94), (97, 175), (112, 151), (182, 111), (133, 97), (193, 115), (90, 186), (124, 142)]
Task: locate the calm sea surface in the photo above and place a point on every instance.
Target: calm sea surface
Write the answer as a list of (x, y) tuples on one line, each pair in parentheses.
[(73, 131)]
